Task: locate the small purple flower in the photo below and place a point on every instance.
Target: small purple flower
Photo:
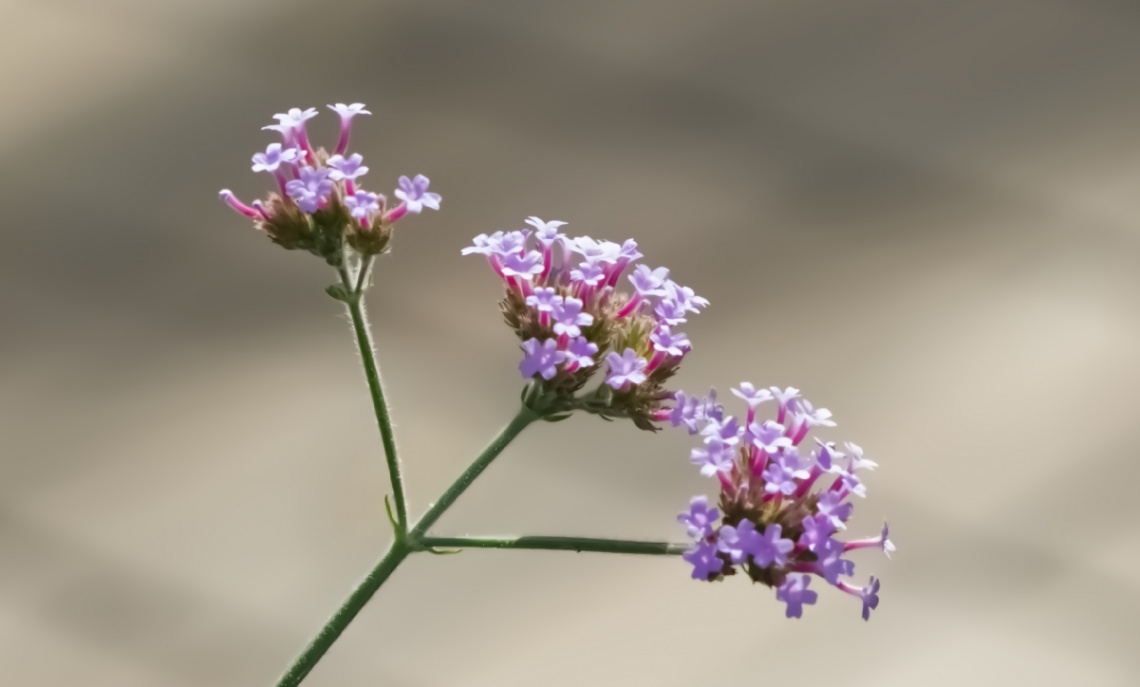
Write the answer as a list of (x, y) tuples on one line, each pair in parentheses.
[(627, 368), (649, 282), (544, 299), (751, 395), (311, 189), (295, 117), (666, 341), (542, 358), (580, 352), (684, 297), (814, 416), (831, 563), (686, 411), (273, 157), (546, 232), (795, 593), (869, 595), (588, 274), (415, 194), (523, 266), (569, 318), (826, 456), (596, 252), (716, 456), (347, 168), (670, 312), (362, 203), (831, 504), (726, 430), (768, 437), (770, 548), (743, 540), (783, 472), (699, 519), (706, 564), (786, 396), (349, 111), (817, 531), (858, 462)]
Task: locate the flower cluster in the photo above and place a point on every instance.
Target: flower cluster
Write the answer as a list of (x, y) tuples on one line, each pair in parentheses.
[(777, 517), (563, 300), (319, 204)]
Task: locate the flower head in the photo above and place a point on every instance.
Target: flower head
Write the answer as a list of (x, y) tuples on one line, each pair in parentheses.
[(779, 513), (317, 200)]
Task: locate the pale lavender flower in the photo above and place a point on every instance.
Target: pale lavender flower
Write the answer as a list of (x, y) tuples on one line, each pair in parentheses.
[(699, 519), (346, 112), (546, 232), (881, 542), (649, 282), (703, 557), (783, 472), (831, 563), (273, 157), (832, 505), (783, 397), (361, 204), (717, 456), (742, 541), (670, 312), (569, 318), (295, 117), (814, 416), (817, 531), (311, 189), (751, 395), (768, 437), (542, 358), (588, 274), (726, 430), (686, 411), (343, 168), (627, 368), (665, 341), (684, 296), (794, 592), (524, 266), (596, 252), (858, 462), (770, 548), (544, 299), (580, 353), (868, 594), (415, 194)]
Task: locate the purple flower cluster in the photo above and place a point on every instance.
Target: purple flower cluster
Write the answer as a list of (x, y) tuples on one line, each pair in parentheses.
[(781, 506), (319, 204), (563, 301)]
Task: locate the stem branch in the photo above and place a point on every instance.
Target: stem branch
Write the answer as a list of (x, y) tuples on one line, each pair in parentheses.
[(577, 544)]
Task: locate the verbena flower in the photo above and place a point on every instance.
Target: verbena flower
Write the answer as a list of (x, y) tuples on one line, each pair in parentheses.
[(318, 206), (780, 505), (568, 290)]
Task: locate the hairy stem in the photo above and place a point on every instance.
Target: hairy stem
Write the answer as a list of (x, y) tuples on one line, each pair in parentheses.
[(578, 544), (405, 543), (345, 614), (356, 311)]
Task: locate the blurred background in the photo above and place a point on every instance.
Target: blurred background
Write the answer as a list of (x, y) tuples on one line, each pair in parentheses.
[(923, 213)]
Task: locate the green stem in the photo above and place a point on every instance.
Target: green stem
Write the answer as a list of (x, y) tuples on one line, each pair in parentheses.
[(355, 303), (578, 544), (345, 614), (524, 417), (405, 543)]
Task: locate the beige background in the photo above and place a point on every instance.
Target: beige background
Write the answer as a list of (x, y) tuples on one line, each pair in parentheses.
[(924, 213)]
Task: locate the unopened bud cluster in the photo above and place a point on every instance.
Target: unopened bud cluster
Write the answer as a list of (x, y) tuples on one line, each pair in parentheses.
[(319, 205), (780, 506), (564, 302)]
